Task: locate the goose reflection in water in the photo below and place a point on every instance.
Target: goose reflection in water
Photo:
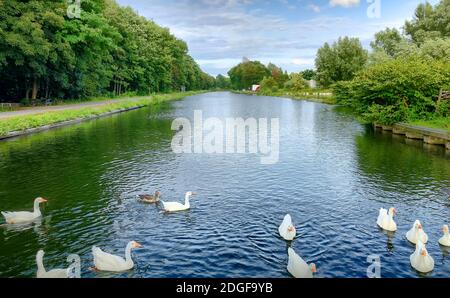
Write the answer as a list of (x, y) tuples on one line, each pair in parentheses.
[(390, 237)]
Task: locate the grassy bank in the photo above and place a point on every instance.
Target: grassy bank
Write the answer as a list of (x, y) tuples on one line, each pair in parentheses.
[(24, 122), (442, 123), (316, 96)]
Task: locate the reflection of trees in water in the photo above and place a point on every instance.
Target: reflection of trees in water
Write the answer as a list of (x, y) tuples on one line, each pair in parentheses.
[(388, 159), (70, 166)]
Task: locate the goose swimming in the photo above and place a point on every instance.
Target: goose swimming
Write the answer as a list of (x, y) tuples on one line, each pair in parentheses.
[(287, 229), (107, 262), (24, 216), (151, 199), (417, 233), (386, 220), (55, 273), (298, 267), (175, 206)]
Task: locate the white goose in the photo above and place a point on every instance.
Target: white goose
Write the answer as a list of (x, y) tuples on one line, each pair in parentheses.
[(445, 240), (417, 233), (287, 229), (298, 267), (386, 220), (107, 262), (175, 206), (24, 216), (42, 273), (421, 260)]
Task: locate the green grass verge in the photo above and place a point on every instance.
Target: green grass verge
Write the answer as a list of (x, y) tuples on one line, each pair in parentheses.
[(310, 96), (21, 123), (437, 123)]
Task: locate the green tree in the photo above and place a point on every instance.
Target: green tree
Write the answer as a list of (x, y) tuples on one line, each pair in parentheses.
[(223, 82), (429, 22), (269, 85), (341, 61), (109, 49), (296, 83), (30, 46), (387, 41), (438, 48), (246, 74), (309, 74), (278, 74)]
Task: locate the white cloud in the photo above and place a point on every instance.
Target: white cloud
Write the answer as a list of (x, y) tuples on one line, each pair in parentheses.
[(303, 62), (220, 32), (344, 3), (314, 8)]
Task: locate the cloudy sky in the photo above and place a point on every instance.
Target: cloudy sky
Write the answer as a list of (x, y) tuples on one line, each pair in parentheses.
[(286, 32)]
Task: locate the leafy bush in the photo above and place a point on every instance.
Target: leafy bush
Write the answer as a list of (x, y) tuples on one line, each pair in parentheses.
[(296, 83), (386, 115), (442, 107), (408, 88), (343, 92), (268, 85)]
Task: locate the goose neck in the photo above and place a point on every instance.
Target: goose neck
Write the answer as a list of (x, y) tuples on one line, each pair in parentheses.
[(187, 200), (36, 208), (128, 253), (40, 262)]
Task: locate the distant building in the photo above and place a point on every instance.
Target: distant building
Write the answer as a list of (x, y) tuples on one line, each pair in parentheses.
[(312, 84), (256, 88)]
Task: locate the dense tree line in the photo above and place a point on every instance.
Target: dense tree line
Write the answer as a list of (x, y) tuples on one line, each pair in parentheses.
[(107, 50), (272, 78)]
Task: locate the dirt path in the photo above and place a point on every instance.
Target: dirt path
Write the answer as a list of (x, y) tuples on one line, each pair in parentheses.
[(40, 110)]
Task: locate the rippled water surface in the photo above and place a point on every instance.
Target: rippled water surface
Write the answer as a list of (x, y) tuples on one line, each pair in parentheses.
[(332, 177)]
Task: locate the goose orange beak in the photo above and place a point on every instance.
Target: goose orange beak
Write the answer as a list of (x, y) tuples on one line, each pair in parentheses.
[(423, 253), (42, 200), (137, 245)]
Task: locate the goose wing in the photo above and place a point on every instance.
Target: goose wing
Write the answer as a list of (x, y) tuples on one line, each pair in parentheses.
[(297, 266), (18, 216), (284, 225), (383, 214), (106, 260), (172, 205)]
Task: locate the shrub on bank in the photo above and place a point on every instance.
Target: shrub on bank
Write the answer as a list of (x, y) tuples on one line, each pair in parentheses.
[(403, 89)]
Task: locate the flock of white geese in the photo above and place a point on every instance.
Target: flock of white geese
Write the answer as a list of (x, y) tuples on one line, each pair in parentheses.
[(420, 259), (297, 267)]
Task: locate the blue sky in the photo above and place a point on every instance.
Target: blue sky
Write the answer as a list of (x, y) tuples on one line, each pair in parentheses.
[(286, 32)]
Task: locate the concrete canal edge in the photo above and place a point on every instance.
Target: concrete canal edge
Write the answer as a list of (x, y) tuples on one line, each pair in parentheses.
[(427, 135), (15, 134)]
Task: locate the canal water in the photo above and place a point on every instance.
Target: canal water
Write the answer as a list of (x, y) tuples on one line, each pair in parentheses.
[(333, 176)]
